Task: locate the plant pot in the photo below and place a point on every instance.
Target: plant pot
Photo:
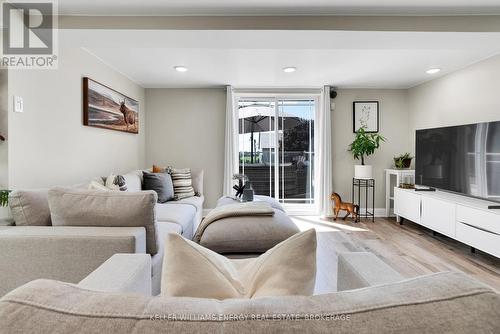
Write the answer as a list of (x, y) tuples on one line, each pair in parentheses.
[(403, 164), (5, 212), (363, 171)]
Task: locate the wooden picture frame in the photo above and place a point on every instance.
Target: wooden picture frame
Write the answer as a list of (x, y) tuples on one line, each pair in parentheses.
[(106, 108), (365, 114)]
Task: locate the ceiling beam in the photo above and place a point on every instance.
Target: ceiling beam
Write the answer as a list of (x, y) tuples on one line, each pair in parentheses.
[(477, 23)]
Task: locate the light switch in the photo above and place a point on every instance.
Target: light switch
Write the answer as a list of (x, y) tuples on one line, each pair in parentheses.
[(18, 104)]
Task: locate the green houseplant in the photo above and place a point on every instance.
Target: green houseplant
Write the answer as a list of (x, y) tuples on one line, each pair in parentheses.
[(364, 145), (403, 161), (4, 198)]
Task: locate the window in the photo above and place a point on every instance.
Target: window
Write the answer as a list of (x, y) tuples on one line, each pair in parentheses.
[(276, 146)]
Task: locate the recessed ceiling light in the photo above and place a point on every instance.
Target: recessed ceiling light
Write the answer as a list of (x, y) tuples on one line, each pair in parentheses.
[(433, 70), (289, 69), (181, 68)]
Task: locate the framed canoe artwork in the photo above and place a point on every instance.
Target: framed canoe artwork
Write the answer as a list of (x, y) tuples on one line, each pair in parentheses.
[(104, 107)]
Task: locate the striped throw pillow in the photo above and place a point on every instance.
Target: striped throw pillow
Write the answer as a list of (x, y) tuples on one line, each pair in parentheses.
[(183, 186)]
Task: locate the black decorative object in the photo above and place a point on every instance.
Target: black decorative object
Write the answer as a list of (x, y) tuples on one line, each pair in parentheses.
[(333, 93), (242, 184)]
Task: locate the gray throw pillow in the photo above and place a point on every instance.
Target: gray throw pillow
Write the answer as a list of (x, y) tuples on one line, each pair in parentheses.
[(161, 183)]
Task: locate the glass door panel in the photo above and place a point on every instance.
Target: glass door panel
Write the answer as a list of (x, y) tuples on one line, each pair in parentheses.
[(296, 150), (257, 143)]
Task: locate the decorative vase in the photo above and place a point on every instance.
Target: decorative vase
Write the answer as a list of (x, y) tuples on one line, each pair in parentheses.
[(5, 212), (363, 171), (248, 195)]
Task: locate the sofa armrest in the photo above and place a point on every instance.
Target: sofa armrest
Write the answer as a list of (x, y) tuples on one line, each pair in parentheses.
[(361, 269), (64, 253), (121, 273)]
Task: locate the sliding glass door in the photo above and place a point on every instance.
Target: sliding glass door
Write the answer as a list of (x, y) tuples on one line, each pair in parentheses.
[(276, 147)]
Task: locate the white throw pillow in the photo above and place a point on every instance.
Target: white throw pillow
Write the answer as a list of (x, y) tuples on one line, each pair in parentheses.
[(96, 185), (112, 182), (191, 270)]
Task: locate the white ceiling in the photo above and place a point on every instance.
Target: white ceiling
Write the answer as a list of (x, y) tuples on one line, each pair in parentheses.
[(256, 58), (278, 7)]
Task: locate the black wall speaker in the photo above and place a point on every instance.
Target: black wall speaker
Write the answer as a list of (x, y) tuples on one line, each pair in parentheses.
[(333, 93)]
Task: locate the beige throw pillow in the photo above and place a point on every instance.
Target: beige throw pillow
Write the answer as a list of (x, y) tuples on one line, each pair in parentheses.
[(30, 207), (190, 270)]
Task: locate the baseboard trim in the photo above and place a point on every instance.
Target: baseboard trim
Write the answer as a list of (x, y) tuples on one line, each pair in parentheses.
[(379, 212)]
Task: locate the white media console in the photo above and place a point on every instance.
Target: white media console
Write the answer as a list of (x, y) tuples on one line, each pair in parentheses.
[(465, 219)]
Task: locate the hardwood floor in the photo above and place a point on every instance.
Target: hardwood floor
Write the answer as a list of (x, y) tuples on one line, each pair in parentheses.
[(410, 249)]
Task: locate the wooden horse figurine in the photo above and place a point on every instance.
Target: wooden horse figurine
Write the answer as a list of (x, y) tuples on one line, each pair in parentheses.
[(349, 207)]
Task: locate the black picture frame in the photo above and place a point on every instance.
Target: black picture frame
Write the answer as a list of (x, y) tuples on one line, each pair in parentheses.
[(355, 116)]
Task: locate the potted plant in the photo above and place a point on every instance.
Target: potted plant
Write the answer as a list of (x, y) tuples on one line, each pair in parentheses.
[(403, 161), (4, 203), (4, 197), (364, 145)]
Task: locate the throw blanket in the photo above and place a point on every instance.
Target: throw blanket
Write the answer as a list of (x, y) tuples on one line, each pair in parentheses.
[(233, 210)]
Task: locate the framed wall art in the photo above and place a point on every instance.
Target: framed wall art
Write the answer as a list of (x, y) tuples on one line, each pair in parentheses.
[(365, 115), (104, 107)]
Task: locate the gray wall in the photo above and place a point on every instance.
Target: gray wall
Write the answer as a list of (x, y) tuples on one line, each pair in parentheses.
[(393, 126), (48, 144), (469, 95), (185, 128)]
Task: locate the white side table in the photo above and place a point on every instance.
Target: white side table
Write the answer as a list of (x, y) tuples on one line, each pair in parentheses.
[(401, 174)]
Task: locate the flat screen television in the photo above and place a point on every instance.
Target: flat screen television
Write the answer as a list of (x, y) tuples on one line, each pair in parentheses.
[(463, 159)]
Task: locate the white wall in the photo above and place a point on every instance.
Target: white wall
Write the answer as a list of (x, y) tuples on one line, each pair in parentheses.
[(470, 95), (185, 128), (48, 144), (393, 119), (4, 175)]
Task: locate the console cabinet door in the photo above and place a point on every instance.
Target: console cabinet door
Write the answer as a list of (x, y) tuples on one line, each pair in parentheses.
[(439, 215), (407, 205)]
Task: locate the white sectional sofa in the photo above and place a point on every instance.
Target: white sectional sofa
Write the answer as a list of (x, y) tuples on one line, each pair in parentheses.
[(69, 253)]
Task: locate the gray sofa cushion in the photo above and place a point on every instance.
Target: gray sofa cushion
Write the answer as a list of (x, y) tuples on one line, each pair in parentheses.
[(439, 303), (248, 234), (195, 201), (30, 207), (66, 253), (181, 214), (161, 183), (72, 207), (162, 229)]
